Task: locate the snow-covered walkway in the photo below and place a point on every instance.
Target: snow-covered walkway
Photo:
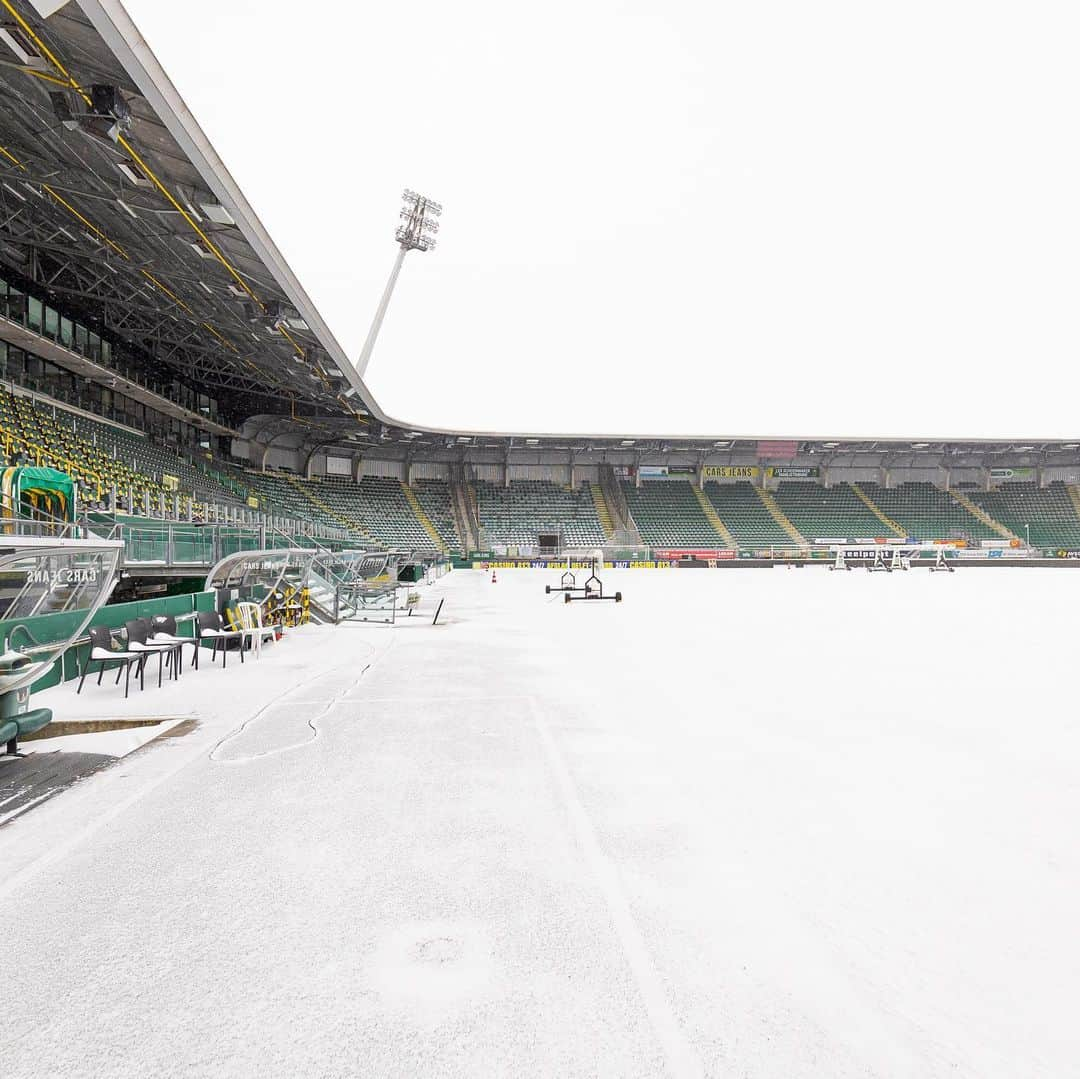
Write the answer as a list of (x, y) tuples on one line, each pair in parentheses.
[(746, 823)]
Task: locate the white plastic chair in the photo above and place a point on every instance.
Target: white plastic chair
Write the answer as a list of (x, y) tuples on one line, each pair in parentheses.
[(251, 625)]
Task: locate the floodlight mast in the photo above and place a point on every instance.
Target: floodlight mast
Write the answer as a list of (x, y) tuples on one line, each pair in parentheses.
[(416, 232)]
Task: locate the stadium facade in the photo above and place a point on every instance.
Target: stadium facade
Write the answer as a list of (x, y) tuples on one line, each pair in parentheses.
[(141, 296)]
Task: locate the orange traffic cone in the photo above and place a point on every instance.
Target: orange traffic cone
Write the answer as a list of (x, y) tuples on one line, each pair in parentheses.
[(493, 581)]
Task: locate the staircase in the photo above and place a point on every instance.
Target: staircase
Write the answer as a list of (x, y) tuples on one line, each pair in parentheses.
[(322, 507), (713, 517), (423, 518), (876, 510), (780, 517), (463, 507), (626, 531), (981, 515), (602, 511), (472, 510), (320, 598)]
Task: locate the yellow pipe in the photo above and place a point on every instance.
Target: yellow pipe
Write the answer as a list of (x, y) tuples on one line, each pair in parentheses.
[(45, 50), (82, 220), (168, 292), (12, 158), (290, 339), (227, 343), (35, 74)]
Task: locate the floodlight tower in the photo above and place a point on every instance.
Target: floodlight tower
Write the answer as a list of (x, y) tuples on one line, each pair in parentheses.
[(416, 232)]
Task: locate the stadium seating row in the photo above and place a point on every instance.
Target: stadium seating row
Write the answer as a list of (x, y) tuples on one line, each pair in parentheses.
[(667, 513), (1048, 515), (378, 511), (102, 456), (518, 514)]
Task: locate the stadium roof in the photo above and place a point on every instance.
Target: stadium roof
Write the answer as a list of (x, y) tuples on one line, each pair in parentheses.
[(114, 200)]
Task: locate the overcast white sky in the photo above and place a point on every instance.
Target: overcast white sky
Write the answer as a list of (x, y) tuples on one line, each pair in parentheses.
[(718, 218)]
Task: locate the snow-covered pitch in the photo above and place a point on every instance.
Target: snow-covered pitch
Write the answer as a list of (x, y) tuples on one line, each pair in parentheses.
[(751, 823)]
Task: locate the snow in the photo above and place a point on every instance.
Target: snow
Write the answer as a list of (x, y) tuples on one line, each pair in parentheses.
[(747, 822)]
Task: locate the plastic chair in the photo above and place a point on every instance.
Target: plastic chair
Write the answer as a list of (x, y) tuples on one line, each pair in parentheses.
[(102, 652), (251, 625), (209, 628), (138, 633), (163, 631)]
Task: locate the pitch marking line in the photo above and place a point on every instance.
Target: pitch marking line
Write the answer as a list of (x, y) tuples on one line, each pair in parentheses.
[(682, 1061)]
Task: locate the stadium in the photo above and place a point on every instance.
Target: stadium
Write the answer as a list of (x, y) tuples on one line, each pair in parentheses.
[(324, 758)]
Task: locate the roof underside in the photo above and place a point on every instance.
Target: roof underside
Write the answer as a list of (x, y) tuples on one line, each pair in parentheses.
[(122, 228)]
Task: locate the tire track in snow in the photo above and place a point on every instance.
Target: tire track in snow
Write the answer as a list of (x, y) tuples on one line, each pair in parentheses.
[(309, 721)]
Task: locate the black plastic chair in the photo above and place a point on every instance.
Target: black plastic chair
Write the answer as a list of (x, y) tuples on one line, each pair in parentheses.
[(210, 628), (102, 652), (138, 633), (163, 631)]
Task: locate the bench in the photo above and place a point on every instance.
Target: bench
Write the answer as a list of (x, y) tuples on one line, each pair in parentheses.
[(12, 727)]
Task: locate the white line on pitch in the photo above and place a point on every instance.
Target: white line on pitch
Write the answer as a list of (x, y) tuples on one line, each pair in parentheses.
[(682, 1061)]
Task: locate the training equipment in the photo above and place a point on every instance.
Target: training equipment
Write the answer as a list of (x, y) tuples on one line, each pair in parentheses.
[(592, 589), (941, 563), (886, 557), (567, 582)]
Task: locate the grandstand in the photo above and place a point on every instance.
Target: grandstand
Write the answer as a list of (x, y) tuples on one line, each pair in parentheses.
[(194, 378), (171, 405)]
